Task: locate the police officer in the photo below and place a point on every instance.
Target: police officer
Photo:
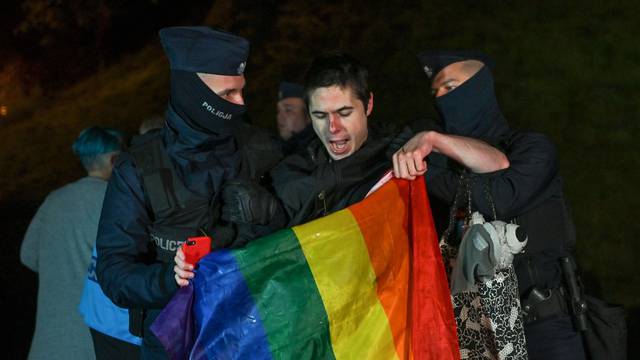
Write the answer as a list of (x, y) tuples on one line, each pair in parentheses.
[(167, 188), (527, 189), (294, 125)]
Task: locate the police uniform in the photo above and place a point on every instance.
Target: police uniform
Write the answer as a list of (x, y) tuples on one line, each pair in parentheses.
[(529, 193), (166, 189)]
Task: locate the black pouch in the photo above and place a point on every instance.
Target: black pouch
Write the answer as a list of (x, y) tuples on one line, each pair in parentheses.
[(606, 336), (136, 322)]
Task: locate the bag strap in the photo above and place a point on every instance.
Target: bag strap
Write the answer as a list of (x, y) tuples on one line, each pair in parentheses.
[(463, 192), (487, 194)]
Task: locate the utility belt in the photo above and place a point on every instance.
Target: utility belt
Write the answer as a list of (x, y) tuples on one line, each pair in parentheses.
[(567, 299)]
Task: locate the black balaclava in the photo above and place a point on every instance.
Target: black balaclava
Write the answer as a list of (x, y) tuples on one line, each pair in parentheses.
[(202, 108), (200, 133), (472, 109)]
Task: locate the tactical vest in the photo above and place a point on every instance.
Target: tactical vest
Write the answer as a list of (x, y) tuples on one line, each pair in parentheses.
[(178, 213)]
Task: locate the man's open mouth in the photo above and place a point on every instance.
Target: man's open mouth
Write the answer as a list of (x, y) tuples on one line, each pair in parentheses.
[(339, 147)]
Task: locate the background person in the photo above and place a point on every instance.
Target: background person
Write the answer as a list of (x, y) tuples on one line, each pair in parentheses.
[(294, 124), (151, 123), (58, 246), (147, 130), (109, 323)]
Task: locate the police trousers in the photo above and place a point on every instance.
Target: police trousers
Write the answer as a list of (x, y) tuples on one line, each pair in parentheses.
[(553, 338)]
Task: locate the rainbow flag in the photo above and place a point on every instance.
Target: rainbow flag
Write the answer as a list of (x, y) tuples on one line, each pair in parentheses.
[(366, 282)]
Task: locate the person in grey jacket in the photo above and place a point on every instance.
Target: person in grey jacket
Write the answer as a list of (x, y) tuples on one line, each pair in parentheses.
[(58, 246)]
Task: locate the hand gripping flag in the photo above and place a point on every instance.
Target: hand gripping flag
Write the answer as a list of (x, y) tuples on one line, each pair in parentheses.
[(366, 282)]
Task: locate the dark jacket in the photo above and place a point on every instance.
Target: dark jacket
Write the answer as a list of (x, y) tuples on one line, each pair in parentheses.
[(529, 192), (313, 185), (128, 268)]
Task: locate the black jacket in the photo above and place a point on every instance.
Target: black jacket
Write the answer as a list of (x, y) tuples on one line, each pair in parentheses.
[(313, 185), (128, 268), (529, 192)]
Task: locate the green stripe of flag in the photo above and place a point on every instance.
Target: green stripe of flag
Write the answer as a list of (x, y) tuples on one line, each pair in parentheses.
[(293, 315)]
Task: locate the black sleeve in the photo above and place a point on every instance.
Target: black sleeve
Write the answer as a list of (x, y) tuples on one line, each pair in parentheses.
[(260, 153), (522, 186), (125, 273), (294, 184), (527, 181)]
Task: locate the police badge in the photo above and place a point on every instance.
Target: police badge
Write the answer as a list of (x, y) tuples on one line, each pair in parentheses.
[(428, 71), (241, 67)]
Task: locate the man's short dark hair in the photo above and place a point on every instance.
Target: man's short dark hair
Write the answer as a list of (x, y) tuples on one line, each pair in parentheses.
[(337, 69)]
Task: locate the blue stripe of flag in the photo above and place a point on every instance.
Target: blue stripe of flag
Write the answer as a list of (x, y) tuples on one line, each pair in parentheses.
[(226, 317)]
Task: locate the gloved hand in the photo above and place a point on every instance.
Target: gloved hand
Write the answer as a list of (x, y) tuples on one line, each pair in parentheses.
[(223, 236), (247, 202), (260, 151)]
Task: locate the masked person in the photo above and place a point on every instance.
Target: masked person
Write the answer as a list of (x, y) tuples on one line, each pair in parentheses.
[(527, 189), (167, 188), (294, 125)]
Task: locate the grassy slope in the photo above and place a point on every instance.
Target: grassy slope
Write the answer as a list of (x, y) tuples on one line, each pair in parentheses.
[(118, 97)]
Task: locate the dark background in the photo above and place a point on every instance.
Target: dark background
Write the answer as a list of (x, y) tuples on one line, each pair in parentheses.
[(565, 68)]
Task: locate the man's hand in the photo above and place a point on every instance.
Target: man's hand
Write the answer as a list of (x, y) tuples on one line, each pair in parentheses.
[(474, 154), (183, 270), (247, 202), (408, 162)]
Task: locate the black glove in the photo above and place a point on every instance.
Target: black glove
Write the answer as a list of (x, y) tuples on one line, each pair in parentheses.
[(260, 152), (223, 236), (247, 202)]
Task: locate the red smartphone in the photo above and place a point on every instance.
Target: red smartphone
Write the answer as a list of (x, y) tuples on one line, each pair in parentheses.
[(195, 248)]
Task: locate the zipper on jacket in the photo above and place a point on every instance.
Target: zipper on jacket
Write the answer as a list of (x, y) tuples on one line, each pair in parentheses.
[(322, 197)]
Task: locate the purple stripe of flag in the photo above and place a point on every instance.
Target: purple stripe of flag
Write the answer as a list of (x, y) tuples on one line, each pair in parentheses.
[(221, 312)]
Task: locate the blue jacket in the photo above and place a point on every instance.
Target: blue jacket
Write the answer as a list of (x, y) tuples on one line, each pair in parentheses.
[(100, 313)]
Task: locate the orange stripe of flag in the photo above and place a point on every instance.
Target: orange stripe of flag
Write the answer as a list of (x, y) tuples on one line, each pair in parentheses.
[(389, 253)]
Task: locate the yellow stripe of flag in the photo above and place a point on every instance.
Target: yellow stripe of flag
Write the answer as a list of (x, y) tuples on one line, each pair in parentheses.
[(346, 280)]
